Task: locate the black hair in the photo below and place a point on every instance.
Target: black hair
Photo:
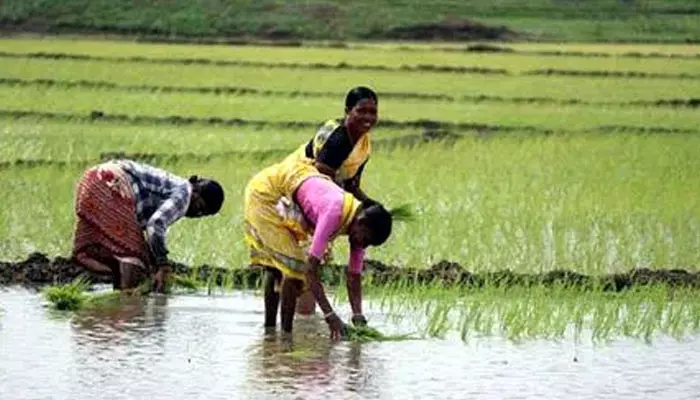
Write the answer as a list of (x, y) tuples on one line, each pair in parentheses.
[(211, 192), (356, 94), (379, 221)]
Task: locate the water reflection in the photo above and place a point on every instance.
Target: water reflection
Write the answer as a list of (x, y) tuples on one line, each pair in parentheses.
[(131, 334), (214, 348), (310, 365), (128, 323)]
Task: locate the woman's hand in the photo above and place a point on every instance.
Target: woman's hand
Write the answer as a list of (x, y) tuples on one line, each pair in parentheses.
[(336, 326), (359, 320)]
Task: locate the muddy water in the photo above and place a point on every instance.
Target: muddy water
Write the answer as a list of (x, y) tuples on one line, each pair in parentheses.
[(191, 347)]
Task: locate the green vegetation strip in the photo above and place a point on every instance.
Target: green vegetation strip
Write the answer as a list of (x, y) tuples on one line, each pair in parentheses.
[(184, 120), (594, 203), (618, 74), (451, 69), (383, 56), (243, 63), (97, 116), (245, 48), (76, 295), (550, 313), (271, 155), (337, 81), (435, 309), (59, 141), (239, 91), (594, 20), (491, 49)]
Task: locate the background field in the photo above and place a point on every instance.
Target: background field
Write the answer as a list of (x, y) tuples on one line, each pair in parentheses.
[(590, 165), (553, 20)]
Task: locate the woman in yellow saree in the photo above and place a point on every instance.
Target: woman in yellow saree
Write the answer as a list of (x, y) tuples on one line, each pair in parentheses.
[(292, 212), (341, 148)]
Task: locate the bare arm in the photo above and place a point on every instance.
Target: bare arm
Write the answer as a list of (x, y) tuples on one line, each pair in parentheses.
[(315, 285), (170, 211), (354, 286)]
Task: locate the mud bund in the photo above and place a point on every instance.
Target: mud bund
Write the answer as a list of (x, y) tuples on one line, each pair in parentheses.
[(38, 270)]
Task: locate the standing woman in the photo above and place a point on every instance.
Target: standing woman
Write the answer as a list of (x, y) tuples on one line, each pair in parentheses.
[(341, 147)]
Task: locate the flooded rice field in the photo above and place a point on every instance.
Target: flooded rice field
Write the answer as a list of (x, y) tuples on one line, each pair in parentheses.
[(214, 347)]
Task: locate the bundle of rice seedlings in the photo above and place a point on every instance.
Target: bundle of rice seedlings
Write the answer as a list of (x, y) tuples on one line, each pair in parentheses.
[(68, 297), (366, 334)]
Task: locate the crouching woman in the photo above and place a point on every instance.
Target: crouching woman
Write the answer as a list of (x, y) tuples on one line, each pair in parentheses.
[(123, 210)]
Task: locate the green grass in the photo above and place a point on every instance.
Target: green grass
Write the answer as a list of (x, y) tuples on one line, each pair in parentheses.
[(340, 81), (641, 28), (514, 63), (83, 102), (45, 139), (69, 141), (95, 46), (592, 20)]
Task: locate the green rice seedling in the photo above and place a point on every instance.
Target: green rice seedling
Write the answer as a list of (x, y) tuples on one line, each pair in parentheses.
[(69, 297), (77, 296), (403, 213), (365, 334), (521, 314), (187, 283), (591, 204)]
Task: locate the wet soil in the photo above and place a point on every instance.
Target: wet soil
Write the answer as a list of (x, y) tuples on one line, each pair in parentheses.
[(39, 270)]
